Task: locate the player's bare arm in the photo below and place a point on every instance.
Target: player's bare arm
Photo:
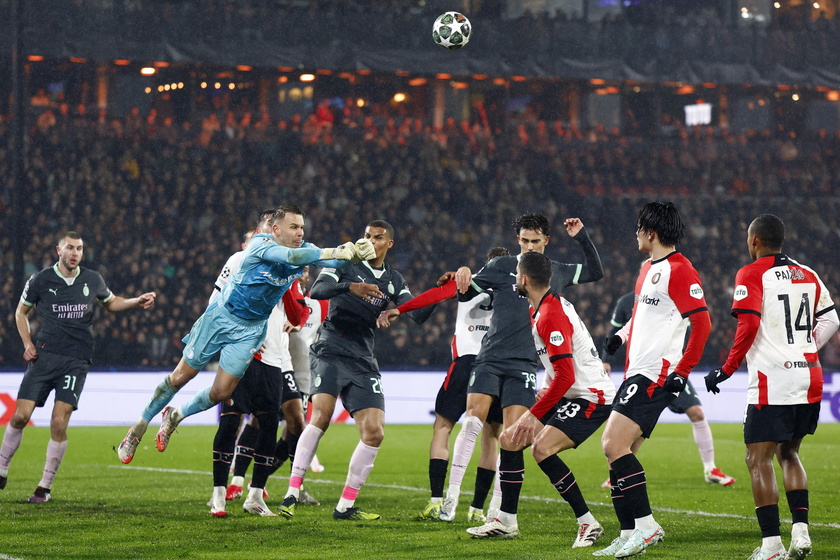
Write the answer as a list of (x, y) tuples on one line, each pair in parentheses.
[(118, 304), (22, 322)]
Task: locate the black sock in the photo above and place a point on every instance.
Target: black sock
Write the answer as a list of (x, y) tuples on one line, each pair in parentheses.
[(623, 511), (223, 445), (437, 476), (511, 475), (245, 450), (798, 504), (264, 448), (563, 479), (631, 479), (768, 520), (483, 483)]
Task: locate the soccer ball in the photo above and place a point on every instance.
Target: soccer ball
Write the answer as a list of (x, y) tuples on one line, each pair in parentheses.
[(452, 30)]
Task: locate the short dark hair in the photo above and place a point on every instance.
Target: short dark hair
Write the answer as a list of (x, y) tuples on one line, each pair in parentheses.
[(69, 235), (662, 218), (770, 229), (389, 229), (537, 267), (265, 214), (285, 208), (497, 252), (533, 220)]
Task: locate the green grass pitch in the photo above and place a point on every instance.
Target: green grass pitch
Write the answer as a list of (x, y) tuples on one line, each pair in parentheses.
[(155, 507)]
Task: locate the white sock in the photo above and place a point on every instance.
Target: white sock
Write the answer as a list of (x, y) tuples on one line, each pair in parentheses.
[(361, 463), (436, 500), (55, 453), (11, 441), (255, 495), (586, 519), (770, 544), (705, 443), (508, 519), (646, 523), (625, 533), (238, 481), (306, 448), (798, 529), (462, 452)]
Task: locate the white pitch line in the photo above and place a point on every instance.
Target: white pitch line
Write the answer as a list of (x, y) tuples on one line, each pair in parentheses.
[(536, 498), (4, 557)]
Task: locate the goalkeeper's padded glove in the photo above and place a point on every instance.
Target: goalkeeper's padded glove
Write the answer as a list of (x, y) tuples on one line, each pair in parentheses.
[(713, 378), (674, 383), (344, 252), (612, 343), (365, 251)]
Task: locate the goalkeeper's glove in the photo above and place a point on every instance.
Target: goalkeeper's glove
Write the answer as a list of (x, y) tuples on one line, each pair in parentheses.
[(365, 251), (344, 252), (674, 383), (713, 378), (612, 343)]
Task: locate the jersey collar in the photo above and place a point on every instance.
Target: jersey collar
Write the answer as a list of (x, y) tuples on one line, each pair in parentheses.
[(377, 272), (58, 272)]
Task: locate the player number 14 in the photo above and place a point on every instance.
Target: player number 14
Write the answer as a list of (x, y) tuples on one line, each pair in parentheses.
[(803, 317)]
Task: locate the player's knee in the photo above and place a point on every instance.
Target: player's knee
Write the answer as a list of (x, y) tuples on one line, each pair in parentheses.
[(229, 423), (373, 435)]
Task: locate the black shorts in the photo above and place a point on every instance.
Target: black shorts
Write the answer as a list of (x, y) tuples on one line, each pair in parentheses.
[(685, 400), (358, 385), (259, 390), (512, 383), (642, 401), (290, 388), (451, 401), (64, 374), (777, 423), (578, 418)]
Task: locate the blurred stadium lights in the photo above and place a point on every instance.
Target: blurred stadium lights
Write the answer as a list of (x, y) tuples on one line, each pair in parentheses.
[(34, 58), (147, 71), (307, 77)]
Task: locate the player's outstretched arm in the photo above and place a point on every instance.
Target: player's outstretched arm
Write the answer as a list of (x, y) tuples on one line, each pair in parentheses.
[(117, 304), (592, 269)]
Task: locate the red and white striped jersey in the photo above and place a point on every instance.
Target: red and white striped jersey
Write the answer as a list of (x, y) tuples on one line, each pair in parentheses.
[(299, 342), (783, 364), (667, 291), (560, 335)]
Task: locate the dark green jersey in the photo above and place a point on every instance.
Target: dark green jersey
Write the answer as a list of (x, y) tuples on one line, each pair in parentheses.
[(65, 309), (350, 326), (510, 336)]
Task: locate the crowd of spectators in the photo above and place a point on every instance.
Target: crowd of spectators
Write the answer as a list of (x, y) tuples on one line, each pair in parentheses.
[(161, 206), (669, 32)]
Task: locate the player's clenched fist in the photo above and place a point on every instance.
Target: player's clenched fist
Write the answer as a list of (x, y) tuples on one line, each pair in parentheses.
[(365, 250)]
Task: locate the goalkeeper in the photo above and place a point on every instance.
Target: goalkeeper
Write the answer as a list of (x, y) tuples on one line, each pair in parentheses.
[(235, 322)]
